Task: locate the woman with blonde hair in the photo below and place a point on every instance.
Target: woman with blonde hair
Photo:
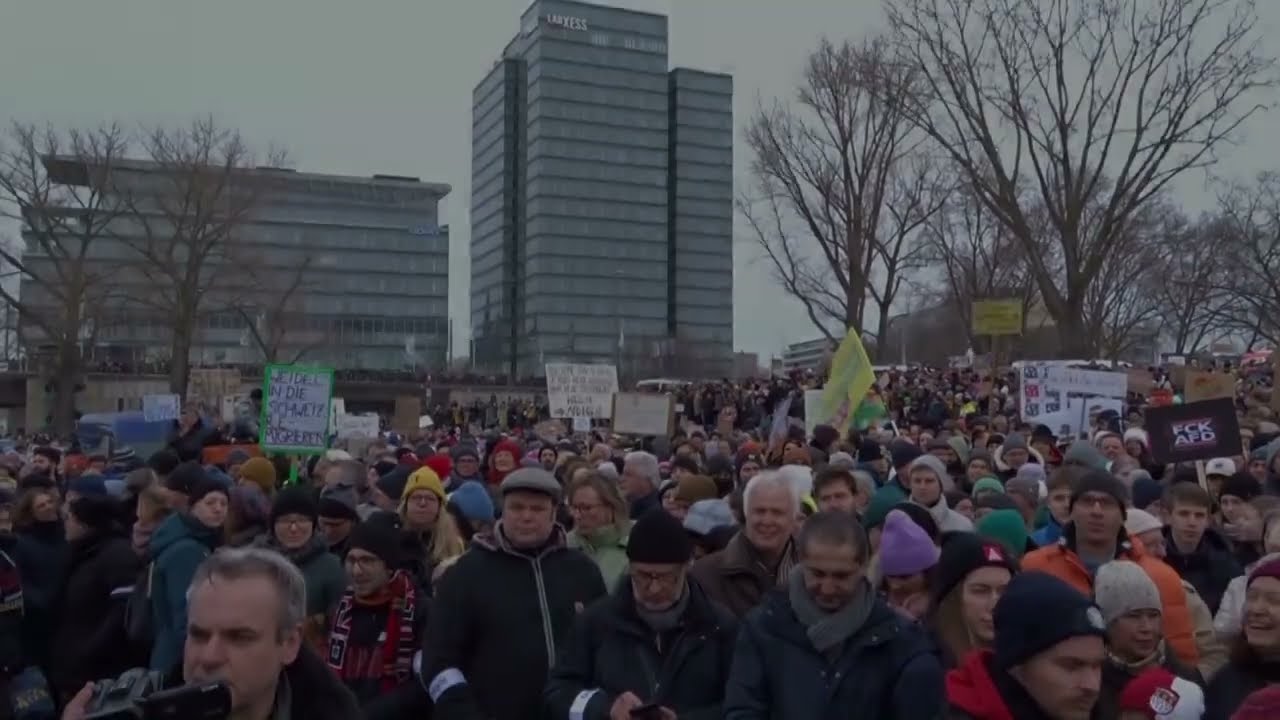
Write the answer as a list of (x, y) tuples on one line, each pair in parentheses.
[(601, 523), (429, 535), (153, 508)]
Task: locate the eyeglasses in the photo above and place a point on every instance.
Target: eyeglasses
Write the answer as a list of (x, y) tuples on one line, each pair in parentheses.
[(581, 508), (294, 522), (364, 562), (644, 579)]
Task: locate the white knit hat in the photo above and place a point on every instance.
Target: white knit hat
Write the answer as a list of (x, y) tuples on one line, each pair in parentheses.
[(1138, 521), (1122, 586)]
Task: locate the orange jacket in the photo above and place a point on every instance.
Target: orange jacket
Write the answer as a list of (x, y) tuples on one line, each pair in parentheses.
[(1061, 561)]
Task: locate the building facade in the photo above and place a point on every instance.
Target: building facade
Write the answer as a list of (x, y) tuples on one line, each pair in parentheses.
[(601, 204), (341, 271), (807, 355)]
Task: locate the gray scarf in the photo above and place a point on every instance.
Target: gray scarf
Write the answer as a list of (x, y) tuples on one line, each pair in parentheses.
[(666, 620), (828, 631)]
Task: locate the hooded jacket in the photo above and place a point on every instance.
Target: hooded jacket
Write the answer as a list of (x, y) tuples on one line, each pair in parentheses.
[(178, 547), (323, 571), (1061, 560)]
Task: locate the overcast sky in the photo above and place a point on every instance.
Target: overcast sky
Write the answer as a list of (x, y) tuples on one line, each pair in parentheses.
[(385, 86)]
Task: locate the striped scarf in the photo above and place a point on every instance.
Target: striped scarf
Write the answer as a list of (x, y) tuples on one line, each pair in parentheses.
[(399, 645)]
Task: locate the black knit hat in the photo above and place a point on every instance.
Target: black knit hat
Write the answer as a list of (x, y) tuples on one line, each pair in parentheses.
[(658, 538), (294, 500), (1031, 598), (96, 512), (380, 536), (962, 553), (920, 516), (184, 477), (1103, 482), (205, 486), (392, 484), (1241, 485), (903, 453)]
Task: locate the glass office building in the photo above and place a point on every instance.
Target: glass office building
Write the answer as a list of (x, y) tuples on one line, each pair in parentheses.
[(601, 208), (367, 255)]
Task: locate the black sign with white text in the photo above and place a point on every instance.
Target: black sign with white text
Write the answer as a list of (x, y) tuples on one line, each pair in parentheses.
[(1194, 431)]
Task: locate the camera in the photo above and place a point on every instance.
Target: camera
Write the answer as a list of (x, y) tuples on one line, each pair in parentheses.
[(140, 695)]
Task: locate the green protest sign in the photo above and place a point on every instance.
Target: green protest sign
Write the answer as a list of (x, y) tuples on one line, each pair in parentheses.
[(295, 409)]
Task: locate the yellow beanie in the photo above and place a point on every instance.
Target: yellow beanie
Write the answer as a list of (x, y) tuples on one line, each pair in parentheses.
[(424, 478)]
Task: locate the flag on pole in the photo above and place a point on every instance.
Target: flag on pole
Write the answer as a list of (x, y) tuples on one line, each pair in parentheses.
[(847, 385)]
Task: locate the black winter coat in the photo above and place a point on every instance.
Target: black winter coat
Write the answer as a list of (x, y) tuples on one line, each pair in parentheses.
[(888, 670), (1209, 569), (1236, 680), (496, 619), (41, 554), (611, 651), (89, 637)]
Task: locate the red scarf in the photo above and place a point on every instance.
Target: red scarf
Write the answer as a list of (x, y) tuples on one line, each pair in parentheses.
[(399, 645)]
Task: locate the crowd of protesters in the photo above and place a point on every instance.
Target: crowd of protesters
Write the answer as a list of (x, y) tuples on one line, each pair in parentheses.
[(948, 561)]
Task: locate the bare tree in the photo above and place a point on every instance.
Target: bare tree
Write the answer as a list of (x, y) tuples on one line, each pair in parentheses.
[(1193, 285), (1067, 96), (275, 317), (189, 206), (1249, 221), (978, 258), (57, 185), (840, 185)]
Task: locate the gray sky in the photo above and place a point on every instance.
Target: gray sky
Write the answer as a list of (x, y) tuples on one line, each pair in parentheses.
[(385, 86)]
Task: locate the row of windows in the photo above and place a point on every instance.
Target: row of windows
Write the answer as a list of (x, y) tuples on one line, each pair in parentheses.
[(598, 209), (686, 79), (598, 324), (703, 190), (348, 305), (699, 226), (700, 100), (607, 77), (585, 112), (722, 209), (611, 154), (586, 54), (591, 267), (687, 135), (717, 293), (711, 321), (593, 247), (717, 173), (592, 287), (705, 119), (544, 185), (634, 100), (686, 153), (596, 229), (378, 324), (598, 172), (693, 262), (579, 132), (565, 305)]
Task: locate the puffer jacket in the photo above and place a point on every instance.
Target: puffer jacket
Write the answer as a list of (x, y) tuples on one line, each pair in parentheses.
[(178, 547), (611, 651), (1061, 561)]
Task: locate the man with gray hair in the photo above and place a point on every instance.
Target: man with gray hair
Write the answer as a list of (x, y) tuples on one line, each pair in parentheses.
[(640, 481), (246, 608)]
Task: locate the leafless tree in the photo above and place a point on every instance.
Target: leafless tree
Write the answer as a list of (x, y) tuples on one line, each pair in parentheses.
[(1249, 220), (1064, 97), (189, 205), (275, 317), (841, 186), (56, 185), (978, 258), (1192, 283)]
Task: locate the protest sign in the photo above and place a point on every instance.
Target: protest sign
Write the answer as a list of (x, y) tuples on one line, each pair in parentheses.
[(581, 425), (408, 410), (159, 408), (295, 411), (997, 317), (358, 426), (575, 390), (1209, 385), (1193, 431), (642, 414), (1139, 380), (1077, 381)]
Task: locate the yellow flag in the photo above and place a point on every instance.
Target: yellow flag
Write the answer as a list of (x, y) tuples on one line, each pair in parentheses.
[(847, 385)]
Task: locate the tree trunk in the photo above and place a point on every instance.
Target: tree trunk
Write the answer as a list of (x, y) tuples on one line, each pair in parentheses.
[(180, 359), (66, 375), (884, 353), (1073, 338)]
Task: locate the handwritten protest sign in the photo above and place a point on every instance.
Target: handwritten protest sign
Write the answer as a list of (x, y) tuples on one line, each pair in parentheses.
[(295, 414), (158, 408), (575, 390)]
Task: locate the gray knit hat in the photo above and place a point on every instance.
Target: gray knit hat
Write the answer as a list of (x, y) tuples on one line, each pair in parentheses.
[(1122, 586), (934, 465)]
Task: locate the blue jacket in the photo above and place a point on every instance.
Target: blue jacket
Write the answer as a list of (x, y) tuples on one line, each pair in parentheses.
[(1048, 535), (888, 670), (178, 547)]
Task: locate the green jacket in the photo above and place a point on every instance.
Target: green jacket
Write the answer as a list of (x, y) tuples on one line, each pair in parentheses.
[(607, 548)]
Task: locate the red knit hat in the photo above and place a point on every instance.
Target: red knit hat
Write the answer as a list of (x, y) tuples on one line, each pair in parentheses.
[(1261, 704), (1161, 695), (1270, 568), (441, 463)]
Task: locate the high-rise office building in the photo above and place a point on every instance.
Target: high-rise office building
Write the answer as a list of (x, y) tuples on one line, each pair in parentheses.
[(602, 199), (361, 264)]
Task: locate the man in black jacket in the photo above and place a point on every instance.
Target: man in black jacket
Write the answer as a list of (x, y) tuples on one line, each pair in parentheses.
[(657, 640), (504, 606)]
